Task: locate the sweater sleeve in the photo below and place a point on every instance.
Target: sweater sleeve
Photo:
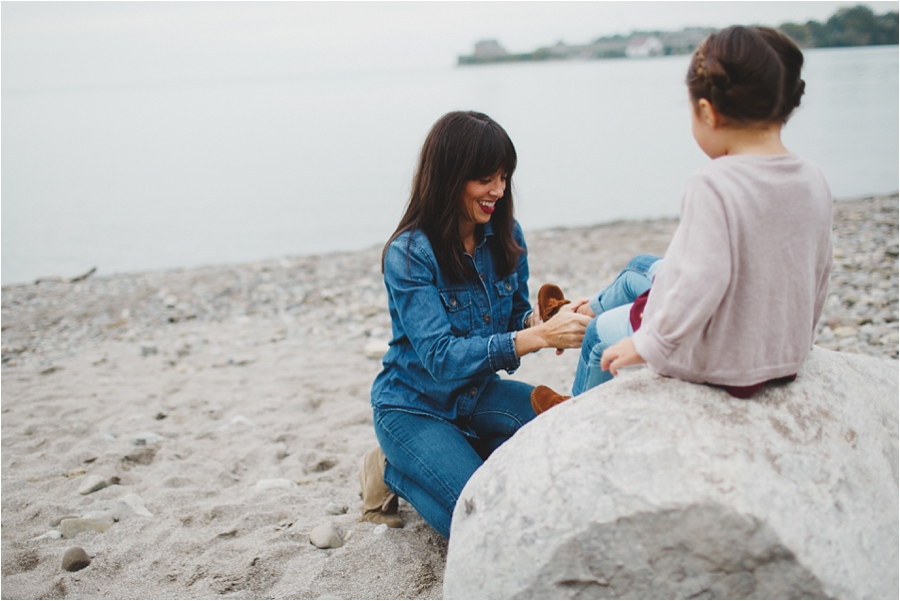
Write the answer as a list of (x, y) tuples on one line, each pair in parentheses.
[(693, 280)]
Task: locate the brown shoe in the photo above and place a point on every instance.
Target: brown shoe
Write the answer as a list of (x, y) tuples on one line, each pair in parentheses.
[(550, 299), (543, 398), (380, 505)]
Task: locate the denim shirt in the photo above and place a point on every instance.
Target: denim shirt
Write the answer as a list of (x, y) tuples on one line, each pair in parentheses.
[(449, 337)]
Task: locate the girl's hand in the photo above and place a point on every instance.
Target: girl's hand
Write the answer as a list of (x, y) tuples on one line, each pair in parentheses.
[(621, 354), (583, 306)]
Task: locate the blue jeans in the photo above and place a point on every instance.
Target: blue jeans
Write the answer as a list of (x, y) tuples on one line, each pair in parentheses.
[(429, 459), (612, 323)]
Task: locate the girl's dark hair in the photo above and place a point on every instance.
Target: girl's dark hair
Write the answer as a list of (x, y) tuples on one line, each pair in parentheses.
[(461, 146), (748, 74)]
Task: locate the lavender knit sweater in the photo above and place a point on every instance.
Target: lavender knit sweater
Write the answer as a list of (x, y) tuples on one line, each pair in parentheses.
[(744, 280)]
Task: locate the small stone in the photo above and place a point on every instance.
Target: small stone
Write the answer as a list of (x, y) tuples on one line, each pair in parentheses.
[(97, 523), (380, 529), (75, 559), (57, 521), (92, 483), (326, 536), (130, 504), (850, 298), (275, 484), (842, 320), (52, 535), (141, 456), (242, 360), (335, 509), (845, 331), (238, 420), (375, 349), (147, 438), (160, 415)]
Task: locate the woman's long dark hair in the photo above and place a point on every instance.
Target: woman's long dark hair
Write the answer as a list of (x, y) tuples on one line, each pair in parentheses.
[(461, 146)]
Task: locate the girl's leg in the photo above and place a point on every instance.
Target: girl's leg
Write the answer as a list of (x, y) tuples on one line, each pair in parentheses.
[(429, 462), (631, 282), (503, 408), (603, 331)]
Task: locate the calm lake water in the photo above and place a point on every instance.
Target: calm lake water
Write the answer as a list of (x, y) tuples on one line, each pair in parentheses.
[(137, 178)]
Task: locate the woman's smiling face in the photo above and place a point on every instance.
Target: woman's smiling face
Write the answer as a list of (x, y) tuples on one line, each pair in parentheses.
[(481, 195)]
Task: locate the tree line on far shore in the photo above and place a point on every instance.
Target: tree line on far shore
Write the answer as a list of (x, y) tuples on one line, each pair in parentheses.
[(850, 26), (856, 26)]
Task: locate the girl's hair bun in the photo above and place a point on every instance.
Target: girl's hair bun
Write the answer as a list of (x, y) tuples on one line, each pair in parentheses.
[(748, 74)]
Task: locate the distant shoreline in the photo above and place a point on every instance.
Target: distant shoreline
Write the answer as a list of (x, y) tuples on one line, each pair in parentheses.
[(848, 27)]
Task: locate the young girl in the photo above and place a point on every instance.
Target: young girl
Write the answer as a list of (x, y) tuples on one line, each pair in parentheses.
[(736, 301)]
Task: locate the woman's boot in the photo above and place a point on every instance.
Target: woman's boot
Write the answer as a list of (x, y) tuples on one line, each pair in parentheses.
[(380, 505), (543, 398)]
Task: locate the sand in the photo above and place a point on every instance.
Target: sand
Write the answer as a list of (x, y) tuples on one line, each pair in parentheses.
[(227, 407)]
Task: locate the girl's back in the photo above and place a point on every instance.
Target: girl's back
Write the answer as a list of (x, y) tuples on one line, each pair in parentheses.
[(750, 260)]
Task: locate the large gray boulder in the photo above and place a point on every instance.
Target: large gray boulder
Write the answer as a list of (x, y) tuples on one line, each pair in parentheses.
[(649, 487)]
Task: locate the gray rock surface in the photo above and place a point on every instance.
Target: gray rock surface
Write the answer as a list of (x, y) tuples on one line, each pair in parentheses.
[(649, 487)]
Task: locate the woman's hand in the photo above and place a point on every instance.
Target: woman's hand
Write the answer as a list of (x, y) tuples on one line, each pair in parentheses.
[(563, 330), (621, 354), (566, 328)]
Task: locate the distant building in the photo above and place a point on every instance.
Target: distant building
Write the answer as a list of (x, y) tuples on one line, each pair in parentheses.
[(489, 49), (641, 47)]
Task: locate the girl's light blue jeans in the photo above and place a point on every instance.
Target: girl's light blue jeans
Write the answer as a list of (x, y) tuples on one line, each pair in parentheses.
[(429, 459), (612, 323)]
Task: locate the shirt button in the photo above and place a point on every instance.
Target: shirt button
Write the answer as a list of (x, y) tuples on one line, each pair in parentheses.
[(473, 391), (481, 275), (487, 319), (508, 286), (452, 302)]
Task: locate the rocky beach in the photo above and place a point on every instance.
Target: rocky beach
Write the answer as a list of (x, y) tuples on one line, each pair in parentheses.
[(190, 429)]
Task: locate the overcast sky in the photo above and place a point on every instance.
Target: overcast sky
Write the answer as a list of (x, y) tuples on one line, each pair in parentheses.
[(60, 44)]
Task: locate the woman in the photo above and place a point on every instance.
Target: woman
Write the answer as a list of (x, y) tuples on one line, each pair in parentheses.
[(456, 273)]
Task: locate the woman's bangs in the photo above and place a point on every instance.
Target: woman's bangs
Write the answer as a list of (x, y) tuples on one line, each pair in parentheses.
[(494, 152)]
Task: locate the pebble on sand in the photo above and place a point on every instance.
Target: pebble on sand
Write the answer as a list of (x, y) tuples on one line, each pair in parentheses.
[(275, 484), (98, 522), (130, 504), (375, 349), (147, 438), (326, 536), (58, 520), (92, 483), (75, 558)]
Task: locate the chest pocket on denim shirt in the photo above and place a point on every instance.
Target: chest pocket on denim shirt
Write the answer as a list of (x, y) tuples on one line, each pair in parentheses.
[(458, 306), (505, 288)]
